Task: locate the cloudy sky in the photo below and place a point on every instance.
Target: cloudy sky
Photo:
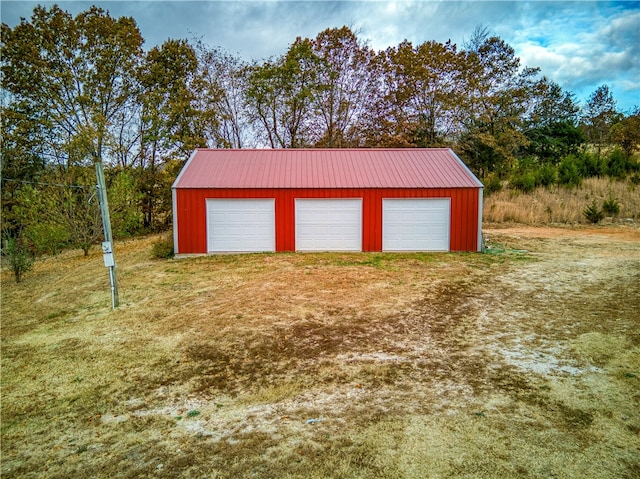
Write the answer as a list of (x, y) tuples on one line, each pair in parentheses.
[(580, 44)]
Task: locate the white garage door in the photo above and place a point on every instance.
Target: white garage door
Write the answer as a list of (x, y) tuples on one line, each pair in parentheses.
[(329, 224), (415, 224), (241, 225)]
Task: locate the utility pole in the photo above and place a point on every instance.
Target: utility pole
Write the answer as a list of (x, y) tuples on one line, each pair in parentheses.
[(107, 244)]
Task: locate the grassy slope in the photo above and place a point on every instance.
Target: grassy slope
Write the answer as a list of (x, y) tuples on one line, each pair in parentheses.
[(416, 365)]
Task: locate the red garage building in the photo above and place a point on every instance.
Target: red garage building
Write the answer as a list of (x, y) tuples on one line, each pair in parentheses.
[(326, 200)]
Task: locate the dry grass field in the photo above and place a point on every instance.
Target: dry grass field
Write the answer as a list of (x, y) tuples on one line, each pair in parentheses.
[(557, 204), (520, 363)]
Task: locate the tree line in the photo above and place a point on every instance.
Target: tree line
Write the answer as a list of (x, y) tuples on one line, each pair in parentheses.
[(79, 90)]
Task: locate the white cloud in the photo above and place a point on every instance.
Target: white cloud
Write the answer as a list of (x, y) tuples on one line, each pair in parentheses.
[(631, 85), (581, 50), (623, 31)]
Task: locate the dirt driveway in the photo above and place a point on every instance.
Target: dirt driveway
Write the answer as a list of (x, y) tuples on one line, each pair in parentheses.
[(582, 282)]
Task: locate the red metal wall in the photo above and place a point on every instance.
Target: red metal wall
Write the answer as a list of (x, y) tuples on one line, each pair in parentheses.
[(192, 229)]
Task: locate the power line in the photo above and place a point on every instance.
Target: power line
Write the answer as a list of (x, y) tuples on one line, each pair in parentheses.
[(59, 185)]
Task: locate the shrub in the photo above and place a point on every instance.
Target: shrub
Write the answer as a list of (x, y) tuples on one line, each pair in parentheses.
[(47, 237), (593, 213), (569, 173), (546, 176), (163, 248), (124, 198), (618, 164), (590, 165), (611, 206), (492, 184), (525, 182), (18, 255)]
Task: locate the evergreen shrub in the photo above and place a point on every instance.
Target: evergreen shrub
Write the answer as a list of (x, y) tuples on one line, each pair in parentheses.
[(546, 176), (611, 206), (618, 164), (590, 165), (592, 213), (569, 172), (525, 182)]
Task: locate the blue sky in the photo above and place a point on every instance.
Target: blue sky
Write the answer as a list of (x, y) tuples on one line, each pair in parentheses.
[(580, 44)]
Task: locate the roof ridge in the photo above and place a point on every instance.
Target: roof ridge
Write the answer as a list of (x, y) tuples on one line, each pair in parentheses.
[(326, 149)]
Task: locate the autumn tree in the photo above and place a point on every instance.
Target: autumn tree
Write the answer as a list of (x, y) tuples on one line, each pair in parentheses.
[(73, 74), (70, 78), (171, 124), (424, 91), (21, 161), (281, 94), (345, 88), (222, 82), (599, 116), (77, 208), (626, 133), (60, 210), (382, 128), (498, 93)]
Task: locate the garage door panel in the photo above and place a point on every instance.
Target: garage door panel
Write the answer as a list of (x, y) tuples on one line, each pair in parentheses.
[(415, 224), (240, 225), (328, 224)]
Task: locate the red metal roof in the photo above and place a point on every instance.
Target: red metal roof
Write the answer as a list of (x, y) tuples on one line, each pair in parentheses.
[(326, 168)]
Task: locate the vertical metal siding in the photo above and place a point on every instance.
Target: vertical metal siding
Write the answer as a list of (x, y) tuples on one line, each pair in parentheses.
[(190, 213), (480, 207), (174, 214)]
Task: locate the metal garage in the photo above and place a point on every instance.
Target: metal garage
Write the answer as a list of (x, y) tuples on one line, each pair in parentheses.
[(411, 199)]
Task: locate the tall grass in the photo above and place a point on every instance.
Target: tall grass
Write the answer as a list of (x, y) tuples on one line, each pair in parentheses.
[(557, 204)]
